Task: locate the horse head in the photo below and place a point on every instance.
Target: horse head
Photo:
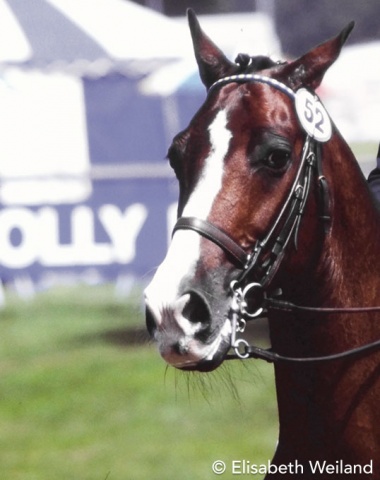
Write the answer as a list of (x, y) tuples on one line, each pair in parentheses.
[(236, 163)]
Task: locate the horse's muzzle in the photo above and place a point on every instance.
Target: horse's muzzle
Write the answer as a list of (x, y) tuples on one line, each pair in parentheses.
[(184, 332)]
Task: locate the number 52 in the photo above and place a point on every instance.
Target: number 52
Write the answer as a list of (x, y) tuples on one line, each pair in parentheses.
[(314, 115)]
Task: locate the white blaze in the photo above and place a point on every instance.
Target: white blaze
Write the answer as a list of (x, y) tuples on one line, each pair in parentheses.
[(184, 250), (210, 182)]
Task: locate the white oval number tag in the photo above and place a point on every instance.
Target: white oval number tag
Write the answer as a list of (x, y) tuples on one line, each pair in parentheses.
[(313, 115)]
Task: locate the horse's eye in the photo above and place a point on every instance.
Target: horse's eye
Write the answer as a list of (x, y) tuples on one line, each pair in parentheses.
[(277, 159)]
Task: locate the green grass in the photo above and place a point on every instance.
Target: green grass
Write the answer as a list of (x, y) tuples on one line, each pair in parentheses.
[(77, 403)]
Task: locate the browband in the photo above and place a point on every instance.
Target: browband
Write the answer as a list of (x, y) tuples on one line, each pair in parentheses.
[(252, 77)]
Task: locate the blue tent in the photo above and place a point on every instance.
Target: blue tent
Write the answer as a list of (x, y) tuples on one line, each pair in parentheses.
[(84, 184)]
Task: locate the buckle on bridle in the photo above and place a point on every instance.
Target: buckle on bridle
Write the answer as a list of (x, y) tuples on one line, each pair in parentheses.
[(252, 300), (247, 303)]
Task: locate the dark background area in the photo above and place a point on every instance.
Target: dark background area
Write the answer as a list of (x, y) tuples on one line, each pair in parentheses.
[(300, 24)]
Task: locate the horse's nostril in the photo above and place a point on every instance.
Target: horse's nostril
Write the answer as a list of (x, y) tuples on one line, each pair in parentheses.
[(150, 322), (196, 309)]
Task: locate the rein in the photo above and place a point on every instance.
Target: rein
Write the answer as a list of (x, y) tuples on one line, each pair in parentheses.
[(241, 314), (249, 300)]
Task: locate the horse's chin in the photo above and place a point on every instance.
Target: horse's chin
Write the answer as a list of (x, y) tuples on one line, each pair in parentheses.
[(204, 366), (196, 355), (201, 365)]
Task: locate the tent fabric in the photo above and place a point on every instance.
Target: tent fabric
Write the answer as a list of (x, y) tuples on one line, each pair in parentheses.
[(84, 183), (89, 37), (61, 39), (138, 123), (44, 151)]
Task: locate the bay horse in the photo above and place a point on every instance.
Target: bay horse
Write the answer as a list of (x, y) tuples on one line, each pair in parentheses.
[(276, 218)]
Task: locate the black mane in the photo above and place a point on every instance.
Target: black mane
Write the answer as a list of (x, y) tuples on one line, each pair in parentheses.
[(250, 64)]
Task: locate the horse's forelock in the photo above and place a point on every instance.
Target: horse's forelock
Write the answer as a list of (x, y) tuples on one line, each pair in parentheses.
[(254, 64)]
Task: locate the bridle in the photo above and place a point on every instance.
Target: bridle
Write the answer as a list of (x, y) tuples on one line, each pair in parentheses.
[(250, 300)]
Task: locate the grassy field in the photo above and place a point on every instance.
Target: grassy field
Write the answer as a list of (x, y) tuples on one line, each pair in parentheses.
[(84, 397)]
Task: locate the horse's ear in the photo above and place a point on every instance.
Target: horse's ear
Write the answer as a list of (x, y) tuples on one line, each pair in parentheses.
[(212, 62), (309, 69)]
